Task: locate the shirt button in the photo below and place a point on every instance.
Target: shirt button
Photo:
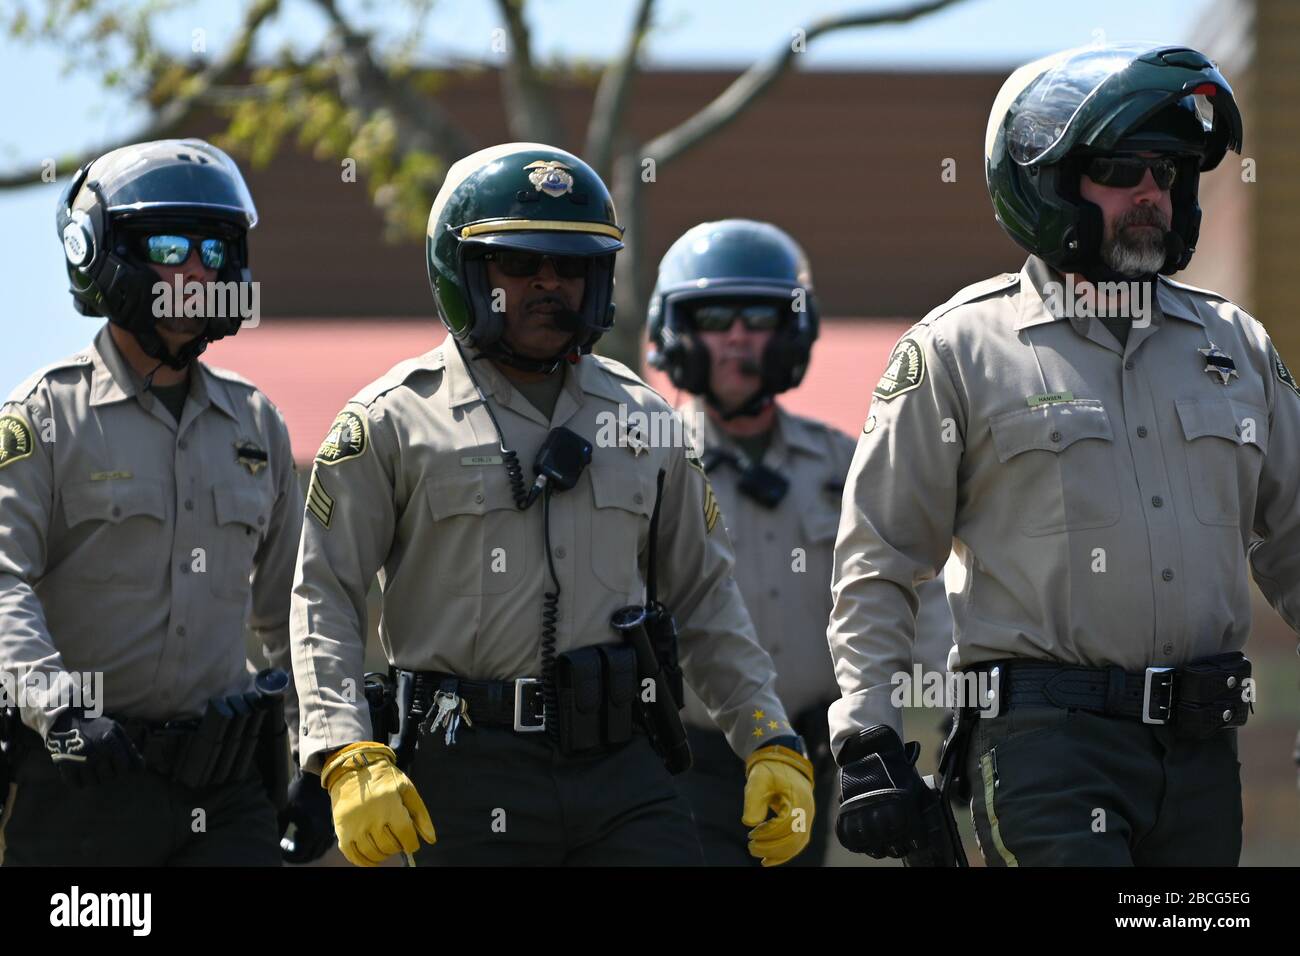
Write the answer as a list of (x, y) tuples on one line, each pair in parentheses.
[(638, 497), (560, 552), (1167, 574), (185, 568), (770, 536), (1157, 501), (1128, 366), (1056, 436), (1167, 648), (261, 519), (117, 512), (180, 630), (773, 592), (478, 499), (189, 505), (1142, 431), (182, 444)]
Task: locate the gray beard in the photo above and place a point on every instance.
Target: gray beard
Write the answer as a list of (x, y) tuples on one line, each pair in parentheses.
[(1134, 257)]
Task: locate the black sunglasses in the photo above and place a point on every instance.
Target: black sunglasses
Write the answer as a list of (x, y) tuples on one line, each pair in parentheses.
[(1125, 172), (715, 316), (519, 264)]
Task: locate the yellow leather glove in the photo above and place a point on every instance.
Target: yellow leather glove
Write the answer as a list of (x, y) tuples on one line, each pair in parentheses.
[(377, 811), (781, 780)]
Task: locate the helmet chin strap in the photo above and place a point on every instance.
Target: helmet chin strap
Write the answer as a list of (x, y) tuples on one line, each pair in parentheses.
[(756, 405), (152, 344)]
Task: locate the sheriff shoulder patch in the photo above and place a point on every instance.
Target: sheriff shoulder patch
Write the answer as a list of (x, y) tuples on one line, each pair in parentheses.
[(904, 372), (319, 502), (1284, 374), (16, 441), (347, 438)]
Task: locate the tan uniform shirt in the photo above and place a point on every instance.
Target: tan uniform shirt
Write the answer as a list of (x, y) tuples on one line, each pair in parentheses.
[(784, 554), (410, 484), (1102, 502), (139, 547)]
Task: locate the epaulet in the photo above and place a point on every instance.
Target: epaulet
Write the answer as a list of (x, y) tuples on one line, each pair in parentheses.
[(1212, 296), (76, 360), (432, 360), (226, 375), (973, 292), (619, 370), (1208, 293)]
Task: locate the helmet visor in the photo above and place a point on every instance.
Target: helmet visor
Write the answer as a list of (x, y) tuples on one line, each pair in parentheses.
[(173, 177)]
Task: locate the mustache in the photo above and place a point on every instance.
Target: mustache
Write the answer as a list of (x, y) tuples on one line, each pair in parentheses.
[(565, 318), (1143, 216)]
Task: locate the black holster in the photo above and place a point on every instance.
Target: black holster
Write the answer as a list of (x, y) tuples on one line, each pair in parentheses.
[(659, 713), (944, 847)]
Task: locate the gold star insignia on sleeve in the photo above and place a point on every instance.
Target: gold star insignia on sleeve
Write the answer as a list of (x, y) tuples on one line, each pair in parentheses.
[(758, 731), (759, 715), (773, 725)]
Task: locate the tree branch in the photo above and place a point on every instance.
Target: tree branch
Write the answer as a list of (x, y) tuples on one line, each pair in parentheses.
[(421, 124), (169, 117), (612, 94), (732, 101), (530, 109)]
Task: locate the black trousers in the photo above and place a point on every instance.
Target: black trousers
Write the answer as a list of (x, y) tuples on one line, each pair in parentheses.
[(498, 798), (1055, 787), (715, 789), (139, 819)]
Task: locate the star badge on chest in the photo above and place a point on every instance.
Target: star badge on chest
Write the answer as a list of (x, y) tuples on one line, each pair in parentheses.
[(251, 456), (633, 440), (1219, 362)]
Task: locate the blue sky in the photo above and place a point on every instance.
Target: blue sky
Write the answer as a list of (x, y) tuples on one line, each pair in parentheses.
[(50, 109)]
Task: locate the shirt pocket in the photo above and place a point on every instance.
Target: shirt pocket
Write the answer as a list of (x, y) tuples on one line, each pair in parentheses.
[(1060, 462), (620, 523), (479, 545), (1226, 444), (127, 542), (241, 515)]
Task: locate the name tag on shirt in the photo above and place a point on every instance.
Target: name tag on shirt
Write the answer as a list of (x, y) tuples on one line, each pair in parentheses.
[(470, 460), (1049, 398)]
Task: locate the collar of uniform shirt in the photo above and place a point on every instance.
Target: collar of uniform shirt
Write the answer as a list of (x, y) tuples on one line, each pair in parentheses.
[(114, 380), (789, 434), (1035, 274), (585, 376)]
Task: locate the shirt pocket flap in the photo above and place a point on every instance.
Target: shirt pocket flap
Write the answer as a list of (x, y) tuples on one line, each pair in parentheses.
[(625, 488), (819, 525), (467, 492), (1236, 422), (236, 504), (113, 501), (1051, 428)]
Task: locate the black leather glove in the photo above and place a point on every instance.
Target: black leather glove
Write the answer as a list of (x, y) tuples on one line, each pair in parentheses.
[(90, 750), (307, 822), (883, 798)]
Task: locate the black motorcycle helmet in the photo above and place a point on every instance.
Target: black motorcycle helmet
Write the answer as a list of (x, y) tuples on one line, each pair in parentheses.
[(1053, 115), (180, 186), (733, 260)]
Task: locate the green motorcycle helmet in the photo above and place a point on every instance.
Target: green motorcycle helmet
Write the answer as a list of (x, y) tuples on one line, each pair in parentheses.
[(1053, 115), (529, 197)]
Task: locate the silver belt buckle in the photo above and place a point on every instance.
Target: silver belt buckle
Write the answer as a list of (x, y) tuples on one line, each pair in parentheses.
[(991, 705), (1168, 686), (520, 726)]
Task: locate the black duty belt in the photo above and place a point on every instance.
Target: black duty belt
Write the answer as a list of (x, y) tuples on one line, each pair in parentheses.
[(517, 704), (1200, 697), (162, 744)]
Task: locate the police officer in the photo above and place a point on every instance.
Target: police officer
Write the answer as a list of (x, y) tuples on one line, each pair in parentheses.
[(499, 587), (1106, 451), (733, 319), (150, 511)]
